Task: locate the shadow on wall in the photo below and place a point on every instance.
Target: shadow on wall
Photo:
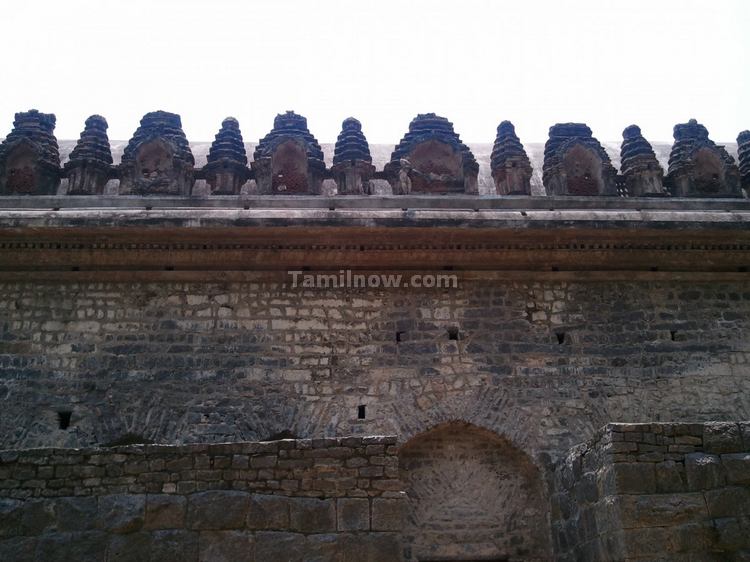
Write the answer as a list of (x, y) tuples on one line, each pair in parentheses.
[(472, 495)]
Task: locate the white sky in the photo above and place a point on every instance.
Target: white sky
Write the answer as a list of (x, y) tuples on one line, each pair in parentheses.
[(536, 62)]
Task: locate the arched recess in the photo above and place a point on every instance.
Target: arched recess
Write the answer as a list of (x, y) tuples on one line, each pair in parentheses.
[(472, 496), (583, 171), (154, 162), (289, 168)]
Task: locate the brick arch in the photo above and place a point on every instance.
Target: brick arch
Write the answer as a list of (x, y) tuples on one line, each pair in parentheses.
[(472, 495)]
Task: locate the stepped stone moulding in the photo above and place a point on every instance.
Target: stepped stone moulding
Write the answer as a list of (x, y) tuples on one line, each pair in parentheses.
[(431, 159), (90, 163), (226, 169), (642, 172), (29, 156), (510, 165), (575, 163), (698, 167), (352, 162), (158, 159), (289, 160)]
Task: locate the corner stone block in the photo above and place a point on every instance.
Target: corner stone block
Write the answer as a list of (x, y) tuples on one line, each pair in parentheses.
[(165, 511), (268, 512), (387, 514), (121, 513), (226, 546), (634, 478), (217, 510), (722, 437), (353, 514), (311, 515), (703, 472)]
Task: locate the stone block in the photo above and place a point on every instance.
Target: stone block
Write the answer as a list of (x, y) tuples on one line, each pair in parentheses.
[(76, 513), (669, 477), (281, 547), (371, 547), (312, 515), (732, 501), (634, 478), (174, 546), (165, 511), (38, 516), (387, 514), (730, 533), (353, 514), (268, 512), (121, 513), (87, 546), (10, 517), (323, 547), (217, 510), (737, 468), (226, 546), (703, 471), (722, 437)]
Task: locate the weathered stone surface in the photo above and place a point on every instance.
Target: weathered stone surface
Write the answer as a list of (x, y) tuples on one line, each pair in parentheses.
[(372, 547), (18, 549), (90, 163), (165, 511), (722, 437), (227, 546), (174, 546), (743, 146), (280, 547), (133, 547), (669, 477), (432, 159), (312, 515), (575, 163), (353, 514), (268, 512), (217, 510), (388, 514), (121, 513), (37, 517), (700, 168), (29, 156), (89, 546), (510, 165), (10, 517), (731, 501), (659, 510), (737, 468), (703, 472), (158, 159), (634, 478), (643, 174), (76, 514)]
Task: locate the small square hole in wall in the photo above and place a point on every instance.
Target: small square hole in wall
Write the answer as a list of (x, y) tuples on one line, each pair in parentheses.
[(361, 412), (560, 337), (400, 336), (63, 419), (673, 335), (453, 333)]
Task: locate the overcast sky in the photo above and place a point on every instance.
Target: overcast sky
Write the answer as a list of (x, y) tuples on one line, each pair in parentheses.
[(535, 62)]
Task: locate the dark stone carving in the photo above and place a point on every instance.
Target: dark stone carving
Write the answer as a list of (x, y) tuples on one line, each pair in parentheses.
[(29, 156), (157, 160), (352, 163), (700, 168), (432, 159), (90, 164), (743, 147), (509, 163), (575, 163), (642, 172), (227, 169), (289, 160)]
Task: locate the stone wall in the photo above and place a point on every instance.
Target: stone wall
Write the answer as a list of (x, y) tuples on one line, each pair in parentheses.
[(542, 363), (660, 491), (320, 499)]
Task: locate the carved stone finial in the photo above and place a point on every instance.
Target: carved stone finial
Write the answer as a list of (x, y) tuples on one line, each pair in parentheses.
[(743, 147), (510, 165), (638, 164), (700, 168), (439, 161), (90, 163), (575, 163), (226, 169), (289, 160), (29, 156), (352, 162), (158, 160)]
